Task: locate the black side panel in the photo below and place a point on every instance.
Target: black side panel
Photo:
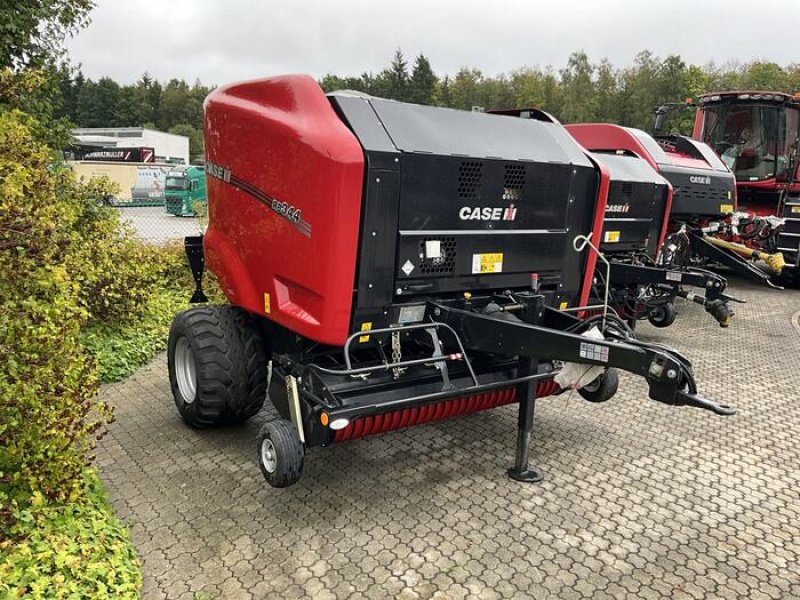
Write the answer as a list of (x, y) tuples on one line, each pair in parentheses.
[(447, 200), (378, 239), (700, 193), (636, 208), (635, 216), (458, 202)]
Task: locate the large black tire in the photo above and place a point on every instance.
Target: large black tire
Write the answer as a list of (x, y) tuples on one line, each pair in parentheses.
[(662, 315), (603, 388), (217, 366), (280, 453)]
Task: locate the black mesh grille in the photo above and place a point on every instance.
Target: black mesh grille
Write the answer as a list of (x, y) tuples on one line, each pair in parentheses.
[(513, 182), (469, 179), (701, 193), (627, 188), (445, 264)]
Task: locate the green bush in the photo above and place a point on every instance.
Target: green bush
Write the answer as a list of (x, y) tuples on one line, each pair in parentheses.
[(75, 550), (115, 272), (121, 347)]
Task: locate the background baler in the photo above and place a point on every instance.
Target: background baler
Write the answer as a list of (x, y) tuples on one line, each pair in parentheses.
[(390, 264), (640, 283)]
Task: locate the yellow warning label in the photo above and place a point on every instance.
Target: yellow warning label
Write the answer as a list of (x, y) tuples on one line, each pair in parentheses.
[(611, 237), (267, 305), (563, 305), (365, 327), (795, 209), (726, 208), (487, 263)]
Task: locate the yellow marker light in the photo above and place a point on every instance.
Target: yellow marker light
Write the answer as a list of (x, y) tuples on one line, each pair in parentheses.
[(323, 418), (467, 295)]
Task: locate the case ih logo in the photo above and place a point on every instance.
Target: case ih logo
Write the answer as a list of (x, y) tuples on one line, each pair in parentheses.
[(486, 213), (704, 179), (617, 208)]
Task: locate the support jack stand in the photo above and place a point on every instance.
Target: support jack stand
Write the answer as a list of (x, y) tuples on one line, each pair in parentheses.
[(527, 394)]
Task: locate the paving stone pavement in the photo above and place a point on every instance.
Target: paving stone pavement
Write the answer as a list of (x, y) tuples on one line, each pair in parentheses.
[(639, 500)]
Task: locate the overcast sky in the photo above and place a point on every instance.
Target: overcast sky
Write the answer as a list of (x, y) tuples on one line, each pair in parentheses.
[(220, 42)]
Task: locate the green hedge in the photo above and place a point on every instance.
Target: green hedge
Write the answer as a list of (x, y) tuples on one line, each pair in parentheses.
[(65, 262)]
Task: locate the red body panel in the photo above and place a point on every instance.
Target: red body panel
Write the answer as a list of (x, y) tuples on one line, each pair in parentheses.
[(607, 137), (682, 160), (271, 141), (697, 132), (597, 230)]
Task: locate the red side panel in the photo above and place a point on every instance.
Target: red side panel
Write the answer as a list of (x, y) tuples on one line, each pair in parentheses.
[(667, 211), (597, 229), (286, 173)]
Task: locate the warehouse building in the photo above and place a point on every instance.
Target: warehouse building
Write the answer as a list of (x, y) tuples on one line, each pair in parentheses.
[(103, 142)]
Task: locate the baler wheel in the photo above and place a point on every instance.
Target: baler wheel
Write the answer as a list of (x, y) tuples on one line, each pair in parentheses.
[(603, 388), (662, 315), (280, 453), (217, 366), (789, 277)]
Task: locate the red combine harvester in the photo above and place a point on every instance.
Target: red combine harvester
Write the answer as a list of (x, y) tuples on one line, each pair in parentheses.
[(388, 265), (757, 136)]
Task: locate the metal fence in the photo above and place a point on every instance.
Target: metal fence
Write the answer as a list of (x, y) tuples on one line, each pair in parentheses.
[(153, 225)]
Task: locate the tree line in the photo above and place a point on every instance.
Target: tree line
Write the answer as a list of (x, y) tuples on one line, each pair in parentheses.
[(174, 106), (582, 91)]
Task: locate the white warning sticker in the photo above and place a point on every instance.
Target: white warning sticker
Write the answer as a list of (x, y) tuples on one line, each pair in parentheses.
[(594, 352), (407, 267), (673, 276), (433, 249)]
